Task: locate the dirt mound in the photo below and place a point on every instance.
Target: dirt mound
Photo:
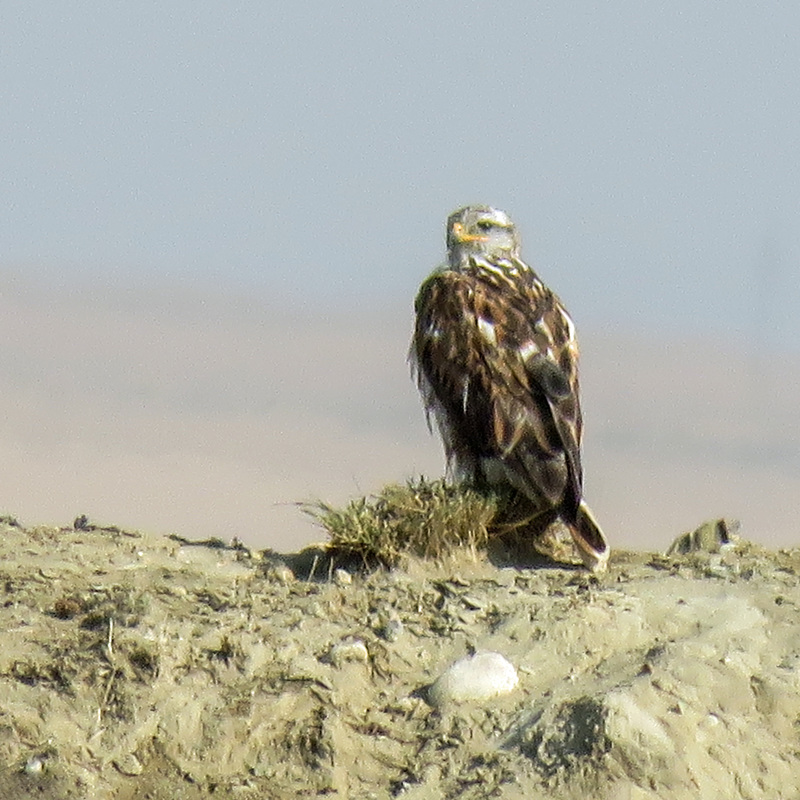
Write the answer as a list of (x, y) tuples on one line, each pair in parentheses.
[(136, 667)]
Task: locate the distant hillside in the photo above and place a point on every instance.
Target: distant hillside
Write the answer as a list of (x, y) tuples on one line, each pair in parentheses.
[(200, 413)]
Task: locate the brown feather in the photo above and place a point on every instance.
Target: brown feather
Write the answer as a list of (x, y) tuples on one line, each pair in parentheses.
[(497, 364), (492, 405)]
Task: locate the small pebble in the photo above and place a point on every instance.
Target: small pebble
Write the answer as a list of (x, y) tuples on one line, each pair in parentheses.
[(283, 574), (34, 765), (129, 764), (342, 577), (392, 630), (315, 609), (478, 677), (473, 603), (347, 651)]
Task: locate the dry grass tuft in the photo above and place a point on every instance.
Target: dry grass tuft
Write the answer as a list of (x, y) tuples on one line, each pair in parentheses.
[(424, 518)]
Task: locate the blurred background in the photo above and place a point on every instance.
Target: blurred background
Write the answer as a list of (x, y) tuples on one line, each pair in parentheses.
[(215, 218)]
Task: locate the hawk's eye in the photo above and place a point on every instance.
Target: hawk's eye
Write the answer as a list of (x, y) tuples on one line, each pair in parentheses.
[(485, 224)]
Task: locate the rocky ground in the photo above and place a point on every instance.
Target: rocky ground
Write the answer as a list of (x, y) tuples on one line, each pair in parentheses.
[(141, 667)]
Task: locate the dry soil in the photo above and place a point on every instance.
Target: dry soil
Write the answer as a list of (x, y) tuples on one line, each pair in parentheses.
[(138, 667)]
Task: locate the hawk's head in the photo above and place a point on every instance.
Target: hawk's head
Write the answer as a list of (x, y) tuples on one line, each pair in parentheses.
[(480, 230)]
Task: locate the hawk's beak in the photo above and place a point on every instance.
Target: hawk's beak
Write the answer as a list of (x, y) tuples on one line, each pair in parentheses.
[(462, 236)]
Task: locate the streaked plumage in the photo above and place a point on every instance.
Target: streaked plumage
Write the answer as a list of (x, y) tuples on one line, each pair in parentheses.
[(496, 360)]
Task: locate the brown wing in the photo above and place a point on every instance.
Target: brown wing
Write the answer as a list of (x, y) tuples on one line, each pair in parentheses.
[(497, 365)]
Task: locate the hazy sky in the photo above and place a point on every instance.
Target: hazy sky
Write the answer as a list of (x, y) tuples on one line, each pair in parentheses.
[(228, 208), (648, 151)]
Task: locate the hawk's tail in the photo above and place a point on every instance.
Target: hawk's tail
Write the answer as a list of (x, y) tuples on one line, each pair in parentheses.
[(589, 539)]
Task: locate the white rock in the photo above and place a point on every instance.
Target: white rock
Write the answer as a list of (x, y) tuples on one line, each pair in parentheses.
[(348, 650), (478, 677), (34, 765), (342, 577)]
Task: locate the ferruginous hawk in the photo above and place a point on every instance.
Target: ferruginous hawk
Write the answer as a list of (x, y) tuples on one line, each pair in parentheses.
[(496, 360)]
